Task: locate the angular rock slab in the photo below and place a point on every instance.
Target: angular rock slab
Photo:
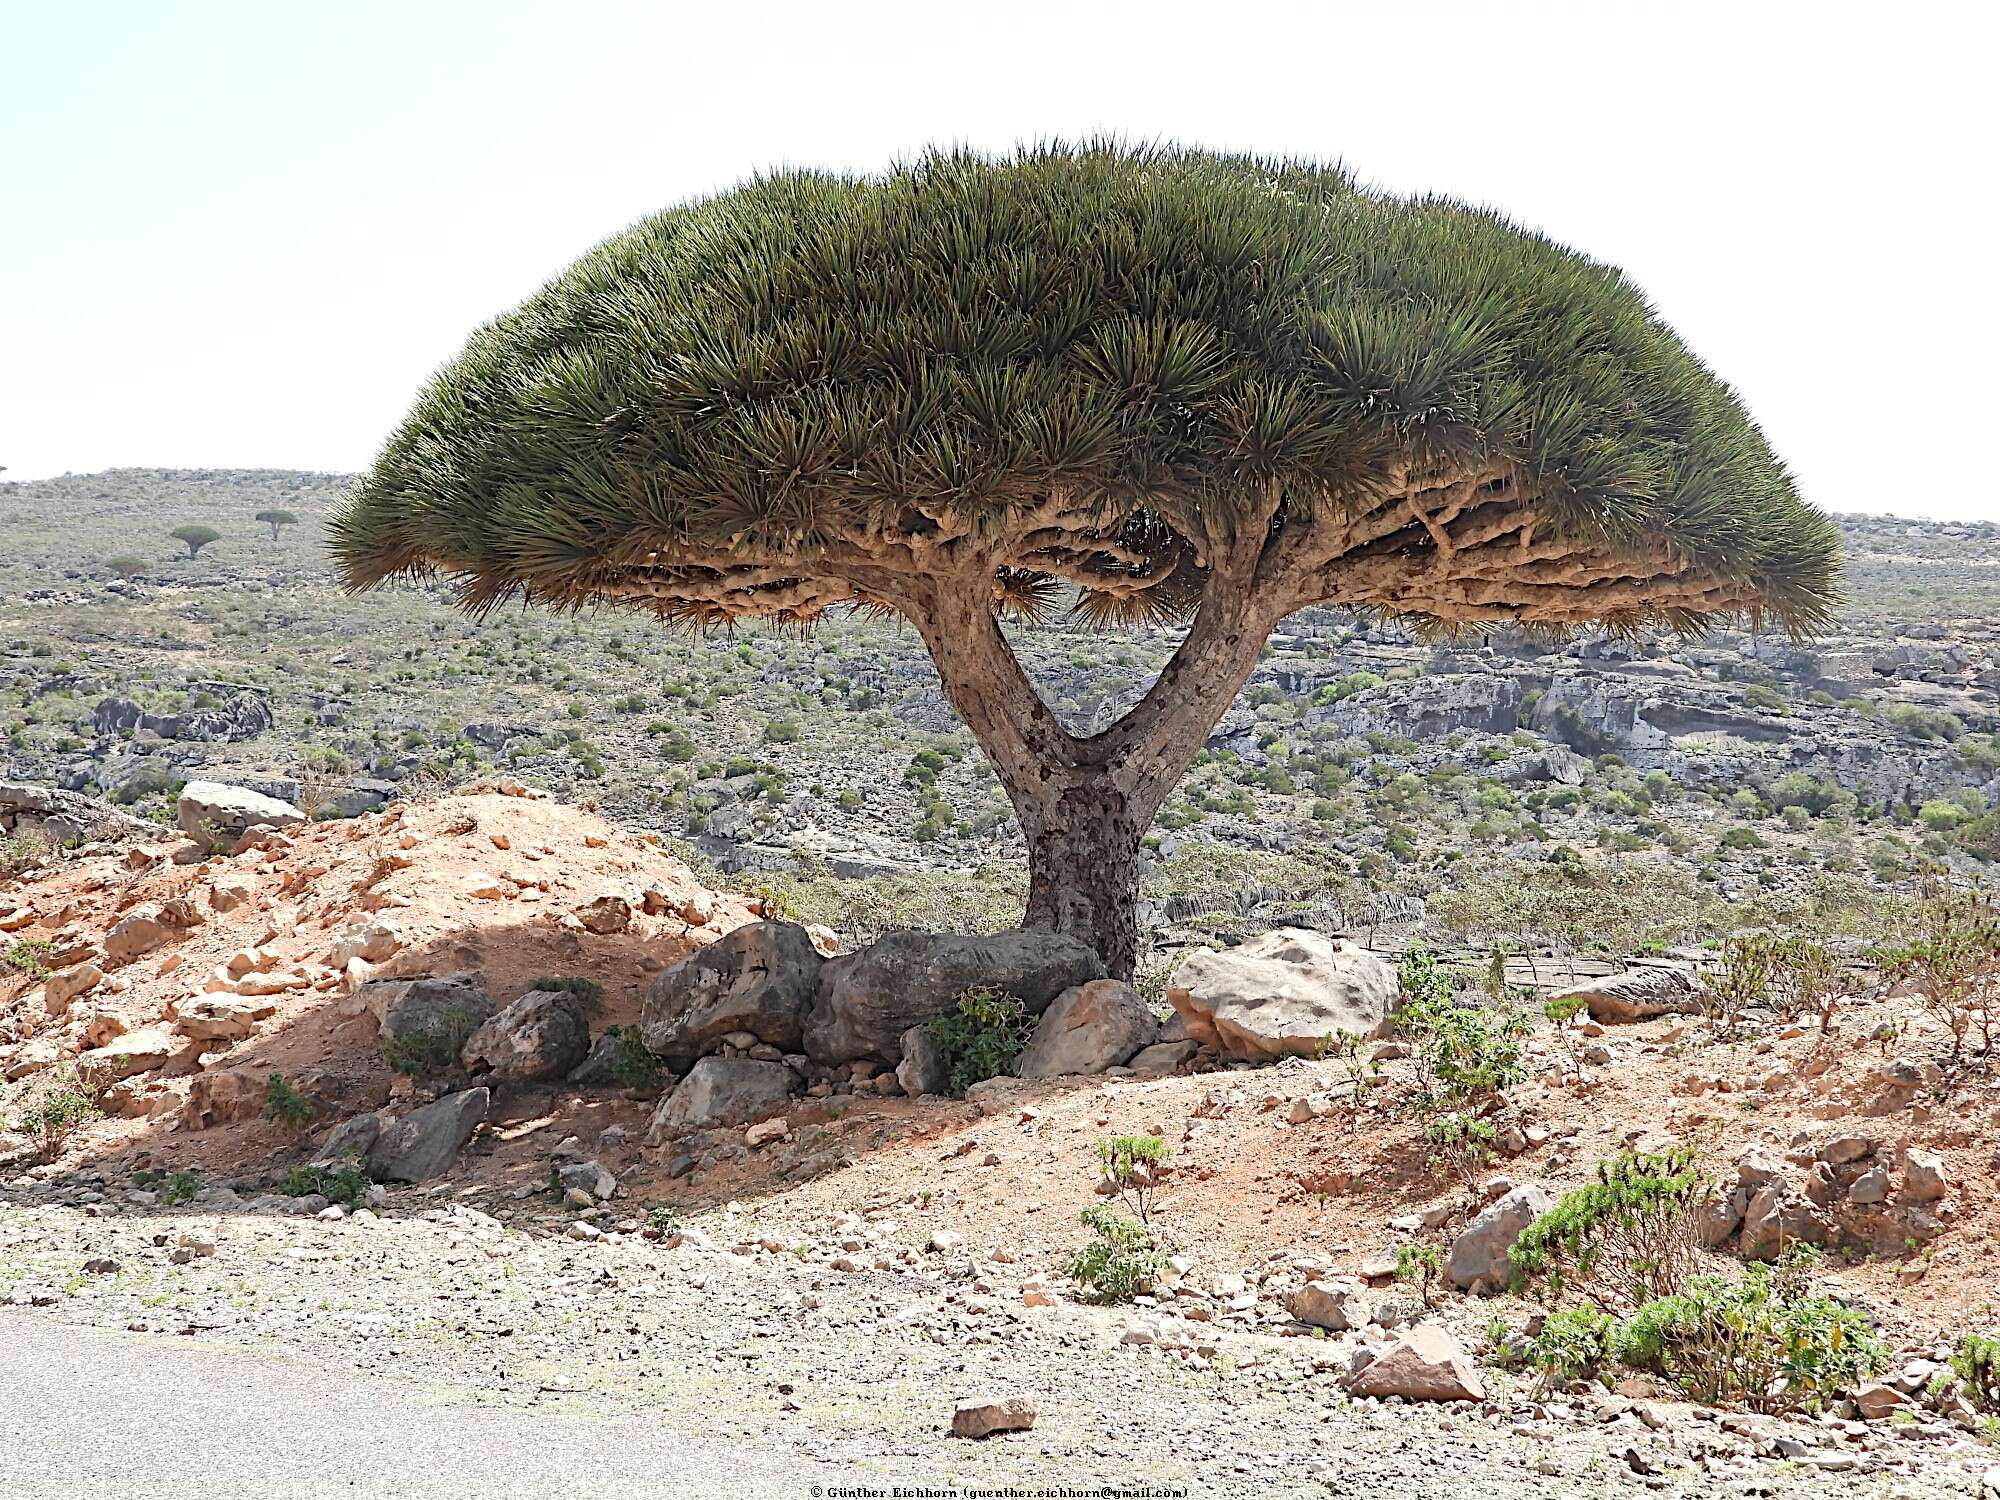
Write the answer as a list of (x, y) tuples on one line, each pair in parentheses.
[(759, 978), (425, 1142), (215, 814), (725, 1091), (868, 1000), (1086, 1029), (1637, 995), (541, 1035), (1480, 1251), (1282, 993), (1425, 1364)]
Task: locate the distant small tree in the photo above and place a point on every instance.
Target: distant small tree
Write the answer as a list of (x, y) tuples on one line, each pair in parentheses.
[(196, 537), (277, 518)]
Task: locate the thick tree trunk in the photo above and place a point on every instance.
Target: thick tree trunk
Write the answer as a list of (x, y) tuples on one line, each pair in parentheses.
[(1084, 804), (1083, 869)]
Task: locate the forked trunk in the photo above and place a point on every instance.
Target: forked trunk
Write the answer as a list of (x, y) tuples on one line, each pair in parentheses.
[(1083, 869), (1083, 804)]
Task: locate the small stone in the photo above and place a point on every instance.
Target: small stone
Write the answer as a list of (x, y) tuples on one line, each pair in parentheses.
[(982, 1416)]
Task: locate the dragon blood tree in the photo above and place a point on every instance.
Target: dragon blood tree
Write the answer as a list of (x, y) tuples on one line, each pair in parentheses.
[(1109, 384)]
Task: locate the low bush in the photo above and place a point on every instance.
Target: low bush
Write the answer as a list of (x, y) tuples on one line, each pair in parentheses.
[(633, 1066), (1467, 1055), (287, 1106), (423, 1052), (981, 1036), (1622, 1240), (1976, 1363), (1767, 1342), (64, 1108), (1121, 1263), (346, 1183)]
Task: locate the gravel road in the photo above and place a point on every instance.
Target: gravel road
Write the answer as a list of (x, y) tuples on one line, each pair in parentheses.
[(195, 1419)]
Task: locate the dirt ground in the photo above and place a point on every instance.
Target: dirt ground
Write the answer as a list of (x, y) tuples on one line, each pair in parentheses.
[(971, 1202)]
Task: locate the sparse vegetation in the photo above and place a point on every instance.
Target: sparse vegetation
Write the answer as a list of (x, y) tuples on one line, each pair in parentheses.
[(981, 1036)]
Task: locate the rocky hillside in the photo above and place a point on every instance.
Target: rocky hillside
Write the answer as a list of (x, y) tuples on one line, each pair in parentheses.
[(485, 1087)]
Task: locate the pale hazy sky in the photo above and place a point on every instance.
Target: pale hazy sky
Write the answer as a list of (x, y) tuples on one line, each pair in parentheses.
[(243, 234)]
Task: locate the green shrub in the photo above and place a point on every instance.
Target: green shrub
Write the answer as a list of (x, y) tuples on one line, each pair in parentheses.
[(1766, 1342), (1120, 1263), (346, 1184), (429, 1050), (286, 1105), (1133, 1166), (64, 1108), (180, 1188), (1419, 1266), (1622, 1240), (1976, 1363), (1466, 1055), (981, 1036), (29, 956), (1574, 1343), (633, 1066)]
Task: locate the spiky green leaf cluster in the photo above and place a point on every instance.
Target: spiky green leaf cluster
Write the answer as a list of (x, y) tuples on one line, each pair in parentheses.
[(800, 372)]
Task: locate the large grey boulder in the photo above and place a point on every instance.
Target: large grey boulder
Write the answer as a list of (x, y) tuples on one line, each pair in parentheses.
[(215, 816), (759, 978), (724, 1091), (867, 1000), (431, 1012), (425, 1142), (1283, 992), (1086, 1029), (1638, 995), (542, 1035), (1480, 1252)]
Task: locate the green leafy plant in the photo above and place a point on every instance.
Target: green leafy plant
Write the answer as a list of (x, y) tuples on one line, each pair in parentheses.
[(1133, 1167), (1626, 1238), (180, 1188), (1120, 1263), (1459, 1143), (981, 1036), (1467, 1056), (345, 1183), (1420, 1266), (1359, 1069), (29, 956), (287, 1106), (64, 1108), (1953, 961), (1573, 1343), (1767, 1342), (633, 1065), (424, 1051), (1976, 1363), (1742, 980)]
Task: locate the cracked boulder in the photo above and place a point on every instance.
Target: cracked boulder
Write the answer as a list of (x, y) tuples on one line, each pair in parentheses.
[(1283, 993), (542, 1035), (866, 1001), (759, 978), (1086, 1029)]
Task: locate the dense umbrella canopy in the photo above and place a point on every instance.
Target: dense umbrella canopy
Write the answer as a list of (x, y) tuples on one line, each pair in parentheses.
[(1099, 377)]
